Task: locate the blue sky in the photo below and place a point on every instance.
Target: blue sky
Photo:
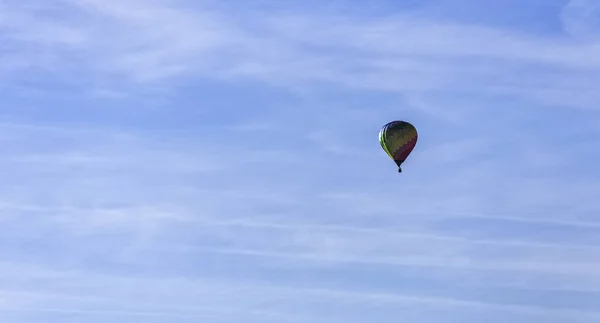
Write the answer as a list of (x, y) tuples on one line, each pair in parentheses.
[(218, 161)]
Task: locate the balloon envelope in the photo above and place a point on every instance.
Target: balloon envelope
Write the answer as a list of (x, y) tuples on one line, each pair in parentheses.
[(398, 139)]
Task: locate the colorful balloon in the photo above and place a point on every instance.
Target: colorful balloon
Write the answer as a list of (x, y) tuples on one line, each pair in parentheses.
[(398, 139)]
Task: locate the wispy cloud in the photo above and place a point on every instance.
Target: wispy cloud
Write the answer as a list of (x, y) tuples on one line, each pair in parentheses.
[(218, 161), (399, 52)]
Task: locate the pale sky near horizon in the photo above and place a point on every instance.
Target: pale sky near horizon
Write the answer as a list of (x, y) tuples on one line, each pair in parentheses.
[(218, 161)]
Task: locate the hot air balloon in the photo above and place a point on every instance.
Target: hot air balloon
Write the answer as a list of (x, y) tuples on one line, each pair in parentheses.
[(398, 139)]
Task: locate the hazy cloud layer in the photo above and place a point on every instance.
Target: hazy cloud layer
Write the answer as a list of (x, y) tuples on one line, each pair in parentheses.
[(218, 161)]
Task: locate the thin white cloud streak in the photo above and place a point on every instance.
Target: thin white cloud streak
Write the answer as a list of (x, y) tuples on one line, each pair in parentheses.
[(225, 315), (431, 261), (401, 251), (387, 232), (535, 204), (445, 302), (90, 306)]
